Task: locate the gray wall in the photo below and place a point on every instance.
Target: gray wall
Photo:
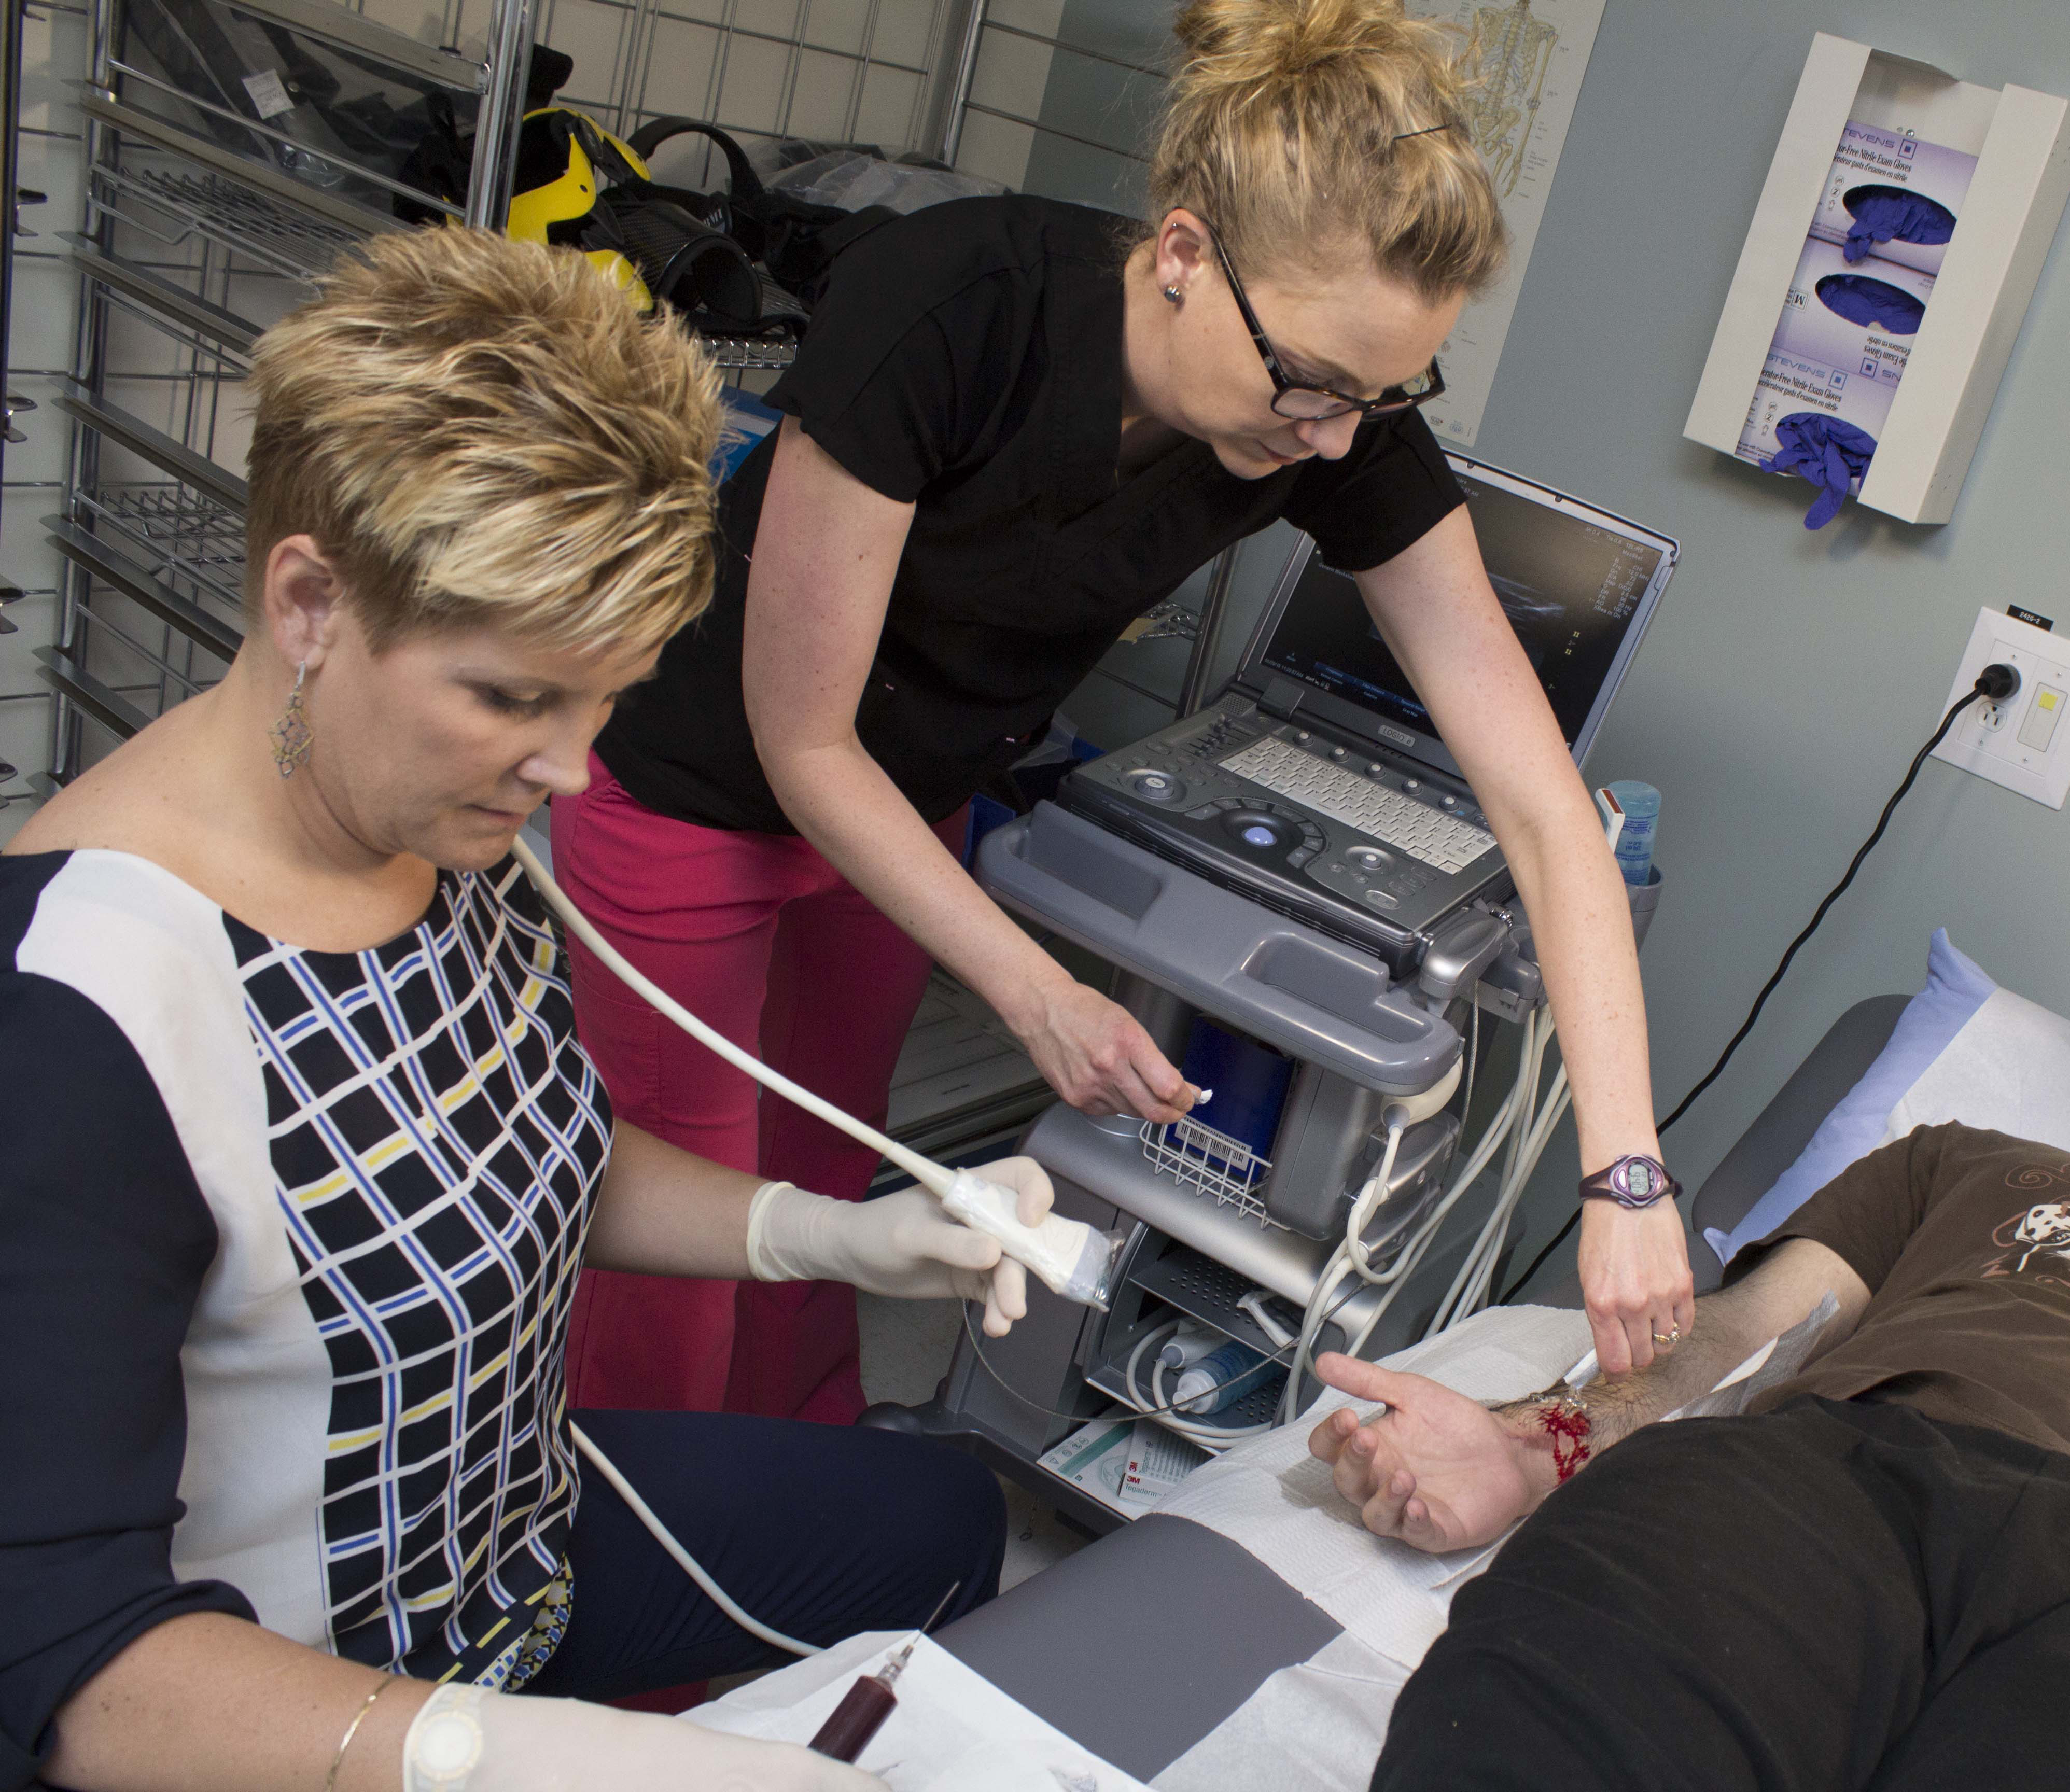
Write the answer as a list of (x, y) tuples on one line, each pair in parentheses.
[(1788, 677), (1095, 105)]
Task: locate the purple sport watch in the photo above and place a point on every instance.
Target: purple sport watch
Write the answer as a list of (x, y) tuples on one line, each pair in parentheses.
[(1632, 1182)]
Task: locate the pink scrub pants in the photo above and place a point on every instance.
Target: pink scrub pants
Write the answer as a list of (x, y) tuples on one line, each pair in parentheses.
[(758, 935)]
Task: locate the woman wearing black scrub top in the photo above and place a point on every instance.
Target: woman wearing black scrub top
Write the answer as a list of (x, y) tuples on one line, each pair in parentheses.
[(1006, 435)]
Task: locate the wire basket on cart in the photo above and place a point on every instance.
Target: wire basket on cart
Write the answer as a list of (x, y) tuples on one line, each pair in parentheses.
[(1198, 1157)]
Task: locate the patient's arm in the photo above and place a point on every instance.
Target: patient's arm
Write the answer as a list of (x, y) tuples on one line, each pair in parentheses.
[(1440, 1471)]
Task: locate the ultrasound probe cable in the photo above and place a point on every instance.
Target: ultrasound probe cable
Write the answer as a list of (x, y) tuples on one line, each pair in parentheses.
[(682, 1558), (1072, 1258), (1068, 1255)]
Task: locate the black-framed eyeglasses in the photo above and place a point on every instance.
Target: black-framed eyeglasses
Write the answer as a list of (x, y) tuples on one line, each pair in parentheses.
[(1303, 402)]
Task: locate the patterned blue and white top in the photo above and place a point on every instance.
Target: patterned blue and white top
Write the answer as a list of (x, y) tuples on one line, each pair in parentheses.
[(287, 1244)]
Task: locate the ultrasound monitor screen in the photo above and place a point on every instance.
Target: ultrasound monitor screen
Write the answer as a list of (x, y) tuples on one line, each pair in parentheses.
[(1568, 587)]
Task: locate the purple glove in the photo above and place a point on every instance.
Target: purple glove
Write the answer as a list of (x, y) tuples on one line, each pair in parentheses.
[(1832, 455), (1864, 300), (1888, 214)]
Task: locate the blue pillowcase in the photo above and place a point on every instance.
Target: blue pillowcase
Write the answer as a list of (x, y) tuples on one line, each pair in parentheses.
[(1956, 988)]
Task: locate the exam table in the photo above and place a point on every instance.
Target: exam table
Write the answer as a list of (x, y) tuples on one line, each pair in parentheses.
[(1144, 1641)]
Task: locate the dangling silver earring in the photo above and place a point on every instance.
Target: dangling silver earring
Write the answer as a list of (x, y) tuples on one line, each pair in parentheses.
[(1172, 293), (291, 735)]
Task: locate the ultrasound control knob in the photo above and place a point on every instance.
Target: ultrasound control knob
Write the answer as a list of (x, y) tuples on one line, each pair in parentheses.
[(1336, 752), (1156, 784), (1412, 784)]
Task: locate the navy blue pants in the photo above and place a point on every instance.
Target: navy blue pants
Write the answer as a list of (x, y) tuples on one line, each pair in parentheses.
[(1835, 1596), (819, 1531)]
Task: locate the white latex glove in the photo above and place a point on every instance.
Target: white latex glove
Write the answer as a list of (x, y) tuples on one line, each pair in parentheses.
[(466, 1739), (902, 1245)]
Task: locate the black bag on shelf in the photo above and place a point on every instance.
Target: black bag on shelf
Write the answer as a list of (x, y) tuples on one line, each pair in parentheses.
[(795, 239), (345, 118), (578, 185)]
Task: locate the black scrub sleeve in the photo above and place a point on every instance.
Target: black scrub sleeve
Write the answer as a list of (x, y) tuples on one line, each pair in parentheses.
[(1392, 490), (887, 430), (104, 1240), (916, 353)]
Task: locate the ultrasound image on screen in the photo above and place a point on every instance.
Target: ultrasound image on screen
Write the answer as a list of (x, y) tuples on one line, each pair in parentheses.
[(1568, 586)]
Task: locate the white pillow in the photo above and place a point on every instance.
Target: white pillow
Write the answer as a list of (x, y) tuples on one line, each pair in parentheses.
[(2007, 1070), (1964, 1050)]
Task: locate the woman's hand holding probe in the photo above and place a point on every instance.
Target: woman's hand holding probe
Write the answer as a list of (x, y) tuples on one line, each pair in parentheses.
[(466, 1739), (902, 1245), (1434, 1469)]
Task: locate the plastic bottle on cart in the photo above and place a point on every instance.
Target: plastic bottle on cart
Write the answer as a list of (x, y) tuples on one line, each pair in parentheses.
[(1188, 1345), (1641, 803), (1200, 1388)]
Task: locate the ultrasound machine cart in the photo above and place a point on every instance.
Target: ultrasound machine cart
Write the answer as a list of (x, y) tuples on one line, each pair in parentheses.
[(1301, 866)]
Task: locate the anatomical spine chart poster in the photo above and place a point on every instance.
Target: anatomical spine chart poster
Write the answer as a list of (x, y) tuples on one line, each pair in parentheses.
[(1527, 60)]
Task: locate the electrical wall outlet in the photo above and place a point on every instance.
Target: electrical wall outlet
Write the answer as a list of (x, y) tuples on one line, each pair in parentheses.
[(2019, 743)]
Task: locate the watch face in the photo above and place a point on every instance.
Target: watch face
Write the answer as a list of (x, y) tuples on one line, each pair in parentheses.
[(1638, 1181)]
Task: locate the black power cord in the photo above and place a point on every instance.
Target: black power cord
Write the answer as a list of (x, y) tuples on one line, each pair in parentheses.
[(1995, 684)]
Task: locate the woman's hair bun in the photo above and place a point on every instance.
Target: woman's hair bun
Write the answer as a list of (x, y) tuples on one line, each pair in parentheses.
[(1265, 40), (1290, 123)]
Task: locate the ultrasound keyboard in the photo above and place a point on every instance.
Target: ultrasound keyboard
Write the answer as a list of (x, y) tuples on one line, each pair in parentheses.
[(1417, 828), (1373, 849)]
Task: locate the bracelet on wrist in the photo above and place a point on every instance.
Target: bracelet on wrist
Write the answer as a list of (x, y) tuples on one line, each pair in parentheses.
[(352, 1729)]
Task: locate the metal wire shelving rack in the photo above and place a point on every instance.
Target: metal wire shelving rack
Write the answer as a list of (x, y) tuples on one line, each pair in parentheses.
[(204, 222), (206, 213)]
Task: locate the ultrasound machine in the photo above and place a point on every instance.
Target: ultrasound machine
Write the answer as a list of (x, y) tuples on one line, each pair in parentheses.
[(1305, 909), (1316, 785)]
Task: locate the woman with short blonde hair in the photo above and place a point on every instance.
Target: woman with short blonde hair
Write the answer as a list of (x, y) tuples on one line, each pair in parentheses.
[(304, 1156), (1005, 439), (537, 459)]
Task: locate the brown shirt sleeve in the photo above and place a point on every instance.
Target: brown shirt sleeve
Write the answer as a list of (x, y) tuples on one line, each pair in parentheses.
[(1962, 1239), (1868, 1213)]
